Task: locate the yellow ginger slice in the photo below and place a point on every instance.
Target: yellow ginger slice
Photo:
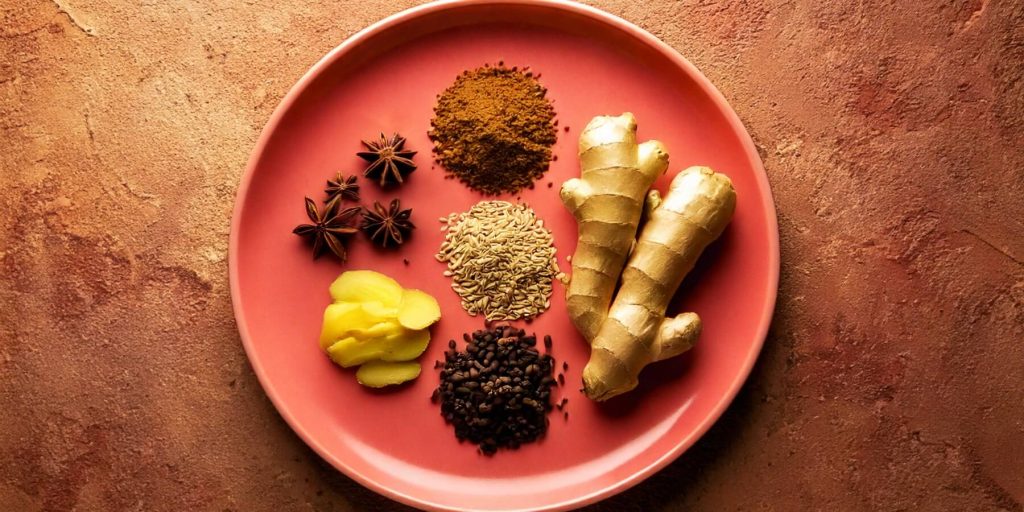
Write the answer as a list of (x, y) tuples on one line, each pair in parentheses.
[(366, 286), (405, 346), (418, 310), (377, 374)]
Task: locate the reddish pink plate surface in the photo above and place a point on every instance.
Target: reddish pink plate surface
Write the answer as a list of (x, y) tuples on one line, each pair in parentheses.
[(386, 79)]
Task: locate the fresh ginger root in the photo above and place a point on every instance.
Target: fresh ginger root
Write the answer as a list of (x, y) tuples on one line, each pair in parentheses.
[(607, 201), (694, 212)]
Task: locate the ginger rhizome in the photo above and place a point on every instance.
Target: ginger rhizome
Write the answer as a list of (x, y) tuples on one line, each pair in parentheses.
[(634, 331), (694, 212), (607, 201)]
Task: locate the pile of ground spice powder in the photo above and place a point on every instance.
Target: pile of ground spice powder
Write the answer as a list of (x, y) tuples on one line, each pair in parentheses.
[(493, 129)]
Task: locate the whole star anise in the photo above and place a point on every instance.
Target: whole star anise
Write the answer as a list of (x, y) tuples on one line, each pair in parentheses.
[(387, 226), (328, 227), (344, 187), (389, 161)]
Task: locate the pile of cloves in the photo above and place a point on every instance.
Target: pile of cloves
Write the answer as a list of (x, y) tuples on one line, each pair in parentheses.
[(496, 393)]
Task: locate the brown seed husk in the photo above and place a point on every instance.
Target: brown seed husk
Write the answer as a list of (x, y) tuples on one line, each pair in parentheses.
[(493, 129)]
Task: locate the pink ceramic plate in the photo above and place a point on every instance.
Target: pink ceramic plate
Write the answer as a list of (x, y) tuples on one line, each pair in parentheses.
[(386, 78)]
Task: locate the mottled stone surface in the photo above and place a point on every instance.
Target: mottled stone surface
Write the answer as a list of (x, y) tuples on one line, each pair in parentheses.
[(892, 133)]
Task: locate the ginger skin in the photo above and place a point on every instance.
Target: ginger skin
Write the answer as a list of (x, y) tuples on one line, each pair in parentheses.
[(607, 201), (635, 333)]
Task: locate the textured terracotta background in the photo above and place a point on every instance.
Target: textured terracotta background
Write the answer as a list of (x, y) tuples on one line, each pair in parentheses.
[(892, 132)]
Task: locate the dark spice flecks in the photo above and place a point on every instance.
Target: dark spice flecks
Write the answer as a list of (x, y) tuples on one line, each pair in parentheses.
[(496, 392)]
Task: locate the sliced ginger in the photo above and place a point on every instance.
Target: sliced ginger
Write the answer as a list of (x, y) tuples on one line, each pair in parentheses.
[(378, 330), (339, 319), (418, 310), (366, 286), (351, 352), (343, 319), (377, 374), (403, 346), (379, 310), (375, 322)]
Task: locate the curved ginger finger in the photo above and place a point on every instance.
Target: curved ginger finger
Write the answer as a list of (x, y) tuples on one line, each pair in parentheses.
[(606, 200), (698, 206), (676, 335)]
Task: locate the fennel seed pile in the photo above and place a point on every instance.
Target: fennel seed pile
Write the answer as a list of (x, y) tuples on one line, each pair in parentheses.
[(501, 260)]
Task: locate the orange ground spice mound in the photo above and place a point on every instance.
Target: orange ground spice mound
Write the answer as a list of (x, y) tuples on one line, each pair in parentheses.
[(493, 129)]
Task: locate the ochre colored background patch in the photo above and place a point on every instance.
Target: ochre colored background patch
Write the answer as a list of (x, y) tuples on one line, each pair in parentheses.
[(892, 137)]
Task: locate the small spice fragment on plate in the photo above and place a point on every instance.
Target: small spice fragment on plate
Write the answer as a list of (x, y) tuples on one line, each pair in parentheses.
[(329, 227), (389, 161), (387, 227)]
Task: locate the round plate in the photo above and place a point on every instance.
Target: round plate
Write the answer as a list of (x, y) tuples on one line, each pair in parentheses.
[(385, 79)]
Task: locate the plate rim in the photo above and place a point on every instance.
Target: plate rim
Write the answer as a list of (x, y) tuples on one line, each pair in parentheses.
[(667, 51)]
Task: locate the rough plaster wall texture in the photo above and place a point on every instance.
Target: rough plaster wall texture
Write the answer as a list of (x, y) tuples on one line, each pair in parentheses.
[(892, 133)]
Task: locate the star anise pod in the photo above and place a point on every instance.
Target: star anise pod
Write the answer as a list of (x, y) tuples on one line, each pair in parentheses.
[(387, 226), (344, 187), (328, 227), (389, 161)]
